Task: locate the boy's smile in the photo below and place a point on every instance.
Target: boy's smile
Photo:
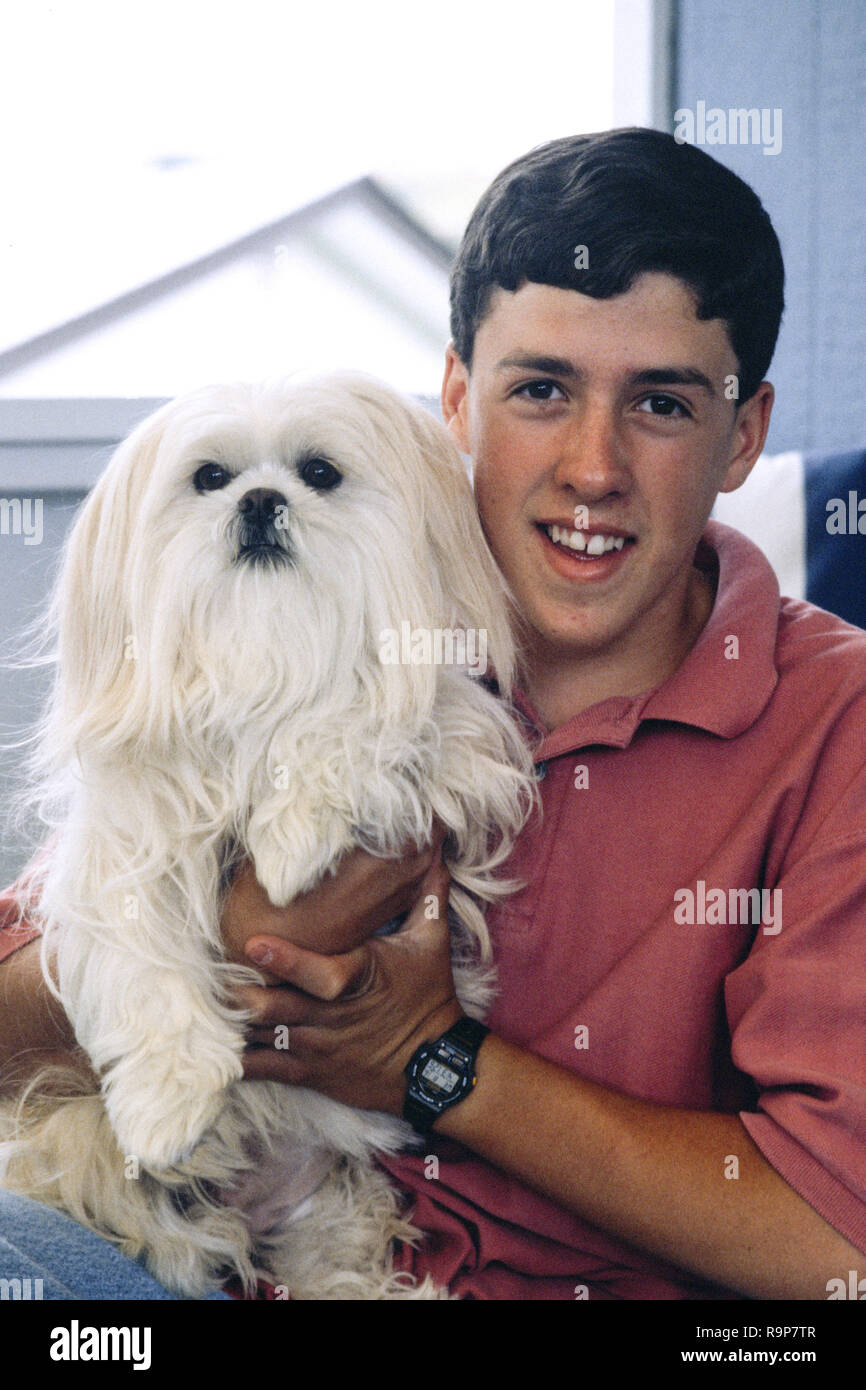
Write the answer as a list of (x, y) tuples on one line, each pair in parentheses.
[(601, 432)]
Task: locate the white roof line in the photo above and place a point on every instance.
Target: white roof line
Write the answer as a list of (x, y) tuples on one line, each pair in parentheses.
[(31, 349)]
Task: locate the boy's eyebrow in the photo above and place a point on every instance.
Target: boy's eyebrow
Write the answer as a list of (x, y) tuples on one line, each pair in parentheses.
[(673, 376), (649, 376), (532, 362)]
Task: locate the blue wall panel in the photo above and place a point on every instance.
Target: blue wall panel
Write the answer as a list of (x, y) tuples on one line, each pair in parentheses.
[(807, 58)]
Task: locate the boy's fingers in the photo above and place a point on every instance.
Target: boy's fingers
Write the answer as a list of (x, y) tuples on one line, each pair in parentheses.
[(272, 1005), (324, 977), (266, 1064)]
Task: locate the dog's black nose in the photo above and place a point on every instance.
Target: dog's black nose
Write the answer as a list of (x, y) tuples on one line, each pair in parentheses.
[(260, 504)]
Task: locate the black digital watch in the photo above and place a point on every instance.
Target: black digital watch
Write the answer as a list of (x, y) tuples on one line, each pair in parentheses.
[(442, 1072)]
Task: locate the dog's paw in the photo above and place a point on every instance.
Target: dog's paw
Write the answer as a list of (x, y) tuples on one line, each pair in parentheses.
[(292, 850), (161, 1106), (163, 1129)]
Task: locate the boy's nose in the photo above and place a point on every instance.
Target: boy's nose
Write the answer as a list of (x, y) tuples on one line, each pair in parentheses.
[(592, 460)]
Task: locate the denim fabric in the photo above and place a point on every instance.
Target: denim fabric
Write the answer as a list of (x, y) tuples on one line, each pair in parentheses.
[(37, 1242)]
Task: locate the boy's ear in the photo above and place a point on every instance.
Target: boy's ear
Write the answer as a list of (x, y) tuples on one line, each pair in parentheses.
[(455, 399), (750, 433)]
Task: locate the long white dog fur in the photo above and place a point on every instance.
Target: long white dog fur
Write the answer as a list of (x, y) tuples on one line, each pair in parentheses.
[(214, 700)]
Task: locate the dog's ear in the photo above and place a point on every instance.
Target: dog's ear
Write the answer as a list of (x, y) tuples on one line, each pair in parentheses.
[(97, 651), (476, 595)]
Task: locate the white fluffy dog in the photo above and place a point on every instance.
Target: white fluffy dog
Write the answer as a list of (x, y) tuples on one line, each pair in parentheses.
[(223, 690)]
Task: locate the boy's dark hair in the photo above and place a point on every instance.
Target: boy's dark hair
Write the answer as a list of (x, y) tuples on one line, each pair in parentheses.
[(638, 201)]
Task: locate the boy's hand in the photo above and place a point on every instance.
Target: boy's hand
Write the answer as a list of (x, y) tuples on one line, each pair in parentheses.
[(341, 912), (352, 1020)]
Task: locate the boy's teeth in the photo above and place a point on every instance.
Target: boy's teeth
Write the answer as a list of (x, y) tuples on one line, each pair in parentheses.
[(597, 543), (576, 540)]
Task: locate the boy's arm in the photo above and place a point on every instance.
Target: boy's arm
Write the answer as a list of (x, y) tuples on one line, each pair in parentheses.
[(651, 1174), (34, 1030), (654, 1175)]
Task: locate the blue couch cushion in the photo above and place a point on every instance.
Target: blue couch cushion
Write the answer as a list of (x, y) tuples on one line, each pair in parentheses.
[(804, 511)]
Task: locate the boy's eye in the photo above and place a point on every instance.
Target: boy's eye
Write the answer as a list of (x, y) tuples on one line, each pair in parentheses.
[(663, 405), (540, 390)]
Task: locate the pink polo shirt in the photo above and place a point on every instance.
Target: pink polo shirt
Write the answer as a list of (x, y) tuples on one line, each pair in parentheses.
[(630, 958), (627, 959)]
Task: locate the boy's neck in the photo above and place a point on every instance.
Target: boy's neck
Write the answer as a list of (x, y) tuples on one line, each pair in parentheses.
[(562, 687)]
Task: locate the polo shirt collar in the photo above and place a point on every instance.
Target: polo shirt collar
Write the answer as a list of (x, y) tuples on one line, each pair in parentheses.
[(723, 685)]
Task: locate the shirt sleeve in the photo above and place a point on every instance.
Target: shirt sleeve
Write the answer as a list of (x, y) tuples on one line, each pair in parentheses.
[(797, 1015)]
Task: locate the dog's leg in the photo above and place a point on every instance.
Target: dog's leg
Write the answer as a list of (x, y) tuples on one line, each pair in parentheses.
[(293, 844), (142, 995), (165, 1066)]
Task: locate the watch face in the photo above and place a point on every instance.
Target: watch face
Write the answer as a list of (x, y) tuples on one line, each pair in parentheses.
[(437, 1078)]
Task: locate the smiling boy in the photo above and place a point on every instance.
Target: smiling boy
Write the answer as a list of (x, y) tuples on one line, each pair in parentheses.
[(661, 1109), (562, 412)]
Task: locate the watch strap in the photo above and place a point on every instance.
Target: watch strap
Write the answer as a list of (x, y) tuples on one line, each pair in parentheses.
[(468, 1032), (419, 1115)]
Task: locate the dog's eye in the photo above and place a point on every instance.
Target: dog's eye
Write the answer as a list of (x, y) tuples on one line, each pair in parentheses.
[(210, 477), (320, 474)]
